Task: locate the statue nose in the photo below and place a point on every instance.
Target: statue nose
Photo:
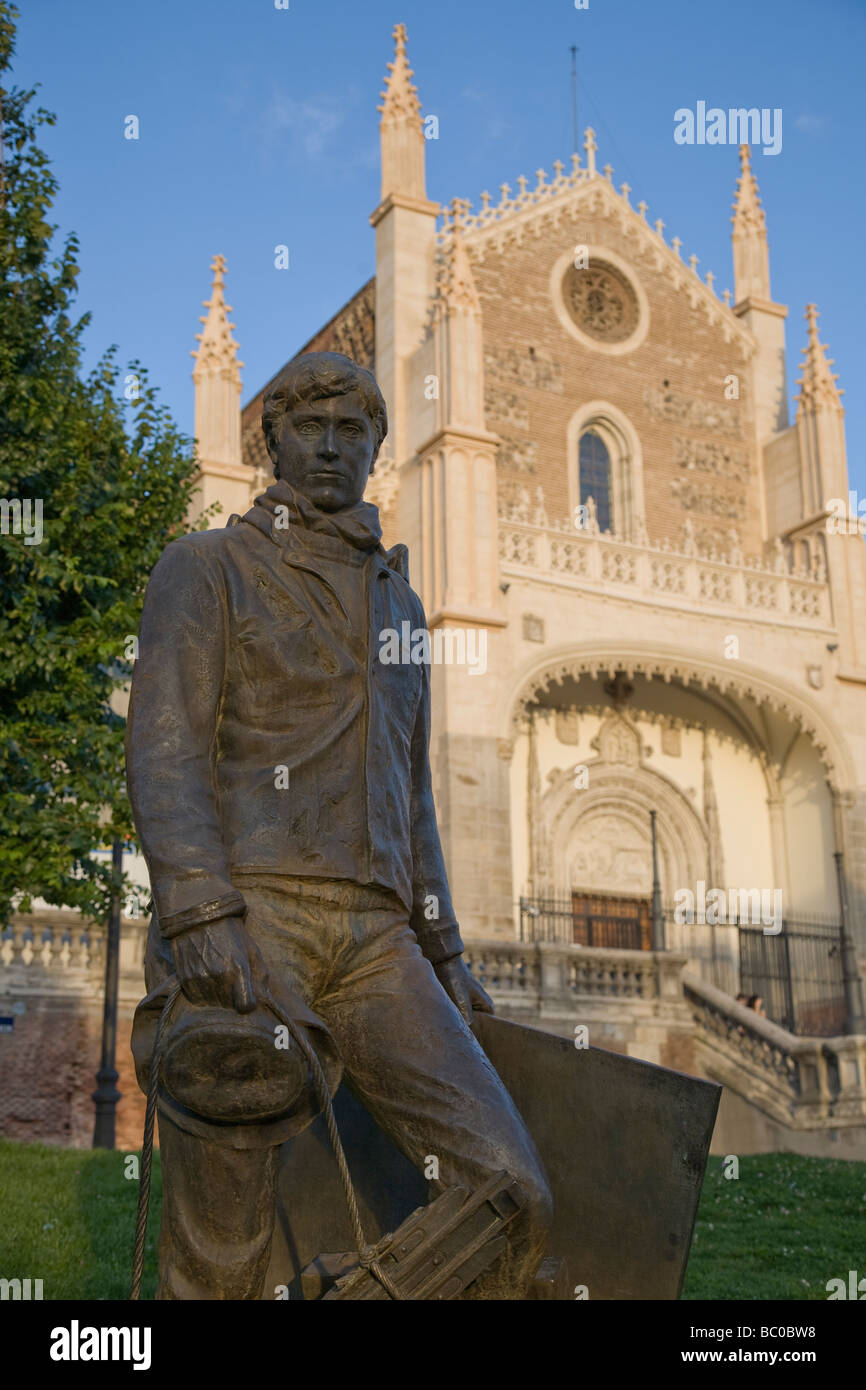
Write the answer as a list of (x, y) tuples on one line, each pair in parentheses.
[(328, 448)]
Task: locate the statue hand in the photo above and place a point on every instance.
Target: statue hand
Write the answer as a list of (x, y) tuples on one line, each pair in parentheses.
[(462, 989), (213, 964)]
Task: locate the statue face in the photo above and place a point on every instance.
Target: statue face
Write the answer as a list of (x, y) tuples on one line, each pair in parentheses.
[(325, 450)]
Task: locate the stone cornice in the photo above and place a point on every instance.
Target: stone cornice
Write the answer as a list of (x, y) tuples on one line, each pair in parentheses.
[(467, 616), (455, 434), (402, 200), (235, 472), (765, 306)]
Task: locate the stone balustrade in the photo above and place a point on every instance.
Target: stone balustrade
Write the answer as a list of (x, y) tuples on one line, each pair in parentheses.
[(664, 576), (58, 951), (805, 1083), (547, 979), (641, 1002)]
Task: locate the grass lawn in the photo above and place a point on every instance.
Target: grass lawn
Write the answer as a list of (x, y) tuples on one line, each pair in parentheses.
[(68, 1218), (780, 1230)]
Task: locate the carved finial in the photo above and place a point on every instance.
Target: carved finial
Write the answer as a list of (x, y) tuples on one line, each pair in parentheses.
[(748, 211), (818, 389), (217, 348), (401, 136), (688, 543), (726, 296), (608, 172), (558, 167), (749, 236), (660, 226), (710, 278), (541, 176), (521, 184), (400, 97), (505, 190), (625, 189), (676, 244), (693, 262), (540, 517), (642, 209), (590, 146), (456, 283), (217, 376)]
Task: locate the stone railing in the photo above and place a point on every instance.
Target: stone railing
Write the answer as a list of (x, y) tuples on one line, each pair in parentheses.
[(547, 978), (581, 559), (803, 1083), (806, 1083), (56, 951)]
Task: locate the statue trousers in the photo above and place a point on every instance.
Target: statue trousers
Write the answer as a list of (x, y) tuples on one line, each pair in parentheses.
[(350, 953)]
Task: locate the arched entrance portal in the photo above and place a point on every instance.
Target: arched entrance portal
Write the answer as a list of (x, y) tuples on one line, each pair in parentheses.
[(742, 790)]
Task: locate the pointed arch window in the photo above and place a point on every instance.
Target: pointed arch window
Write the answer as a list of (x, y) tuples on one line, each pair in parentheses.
[(594, 473)]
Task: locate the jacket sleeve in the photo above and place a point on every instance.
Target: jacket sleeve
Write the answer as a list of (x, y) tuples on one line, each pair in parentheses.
[(432, 919), (174, 705)]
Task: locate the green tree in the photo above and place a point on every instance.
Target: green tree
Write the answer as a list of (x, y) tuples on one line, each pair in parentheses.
[(96, 465)]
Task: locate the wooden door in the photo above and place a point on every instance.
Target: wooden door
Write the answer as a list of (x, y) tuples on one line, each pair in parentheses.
[(604, 919)]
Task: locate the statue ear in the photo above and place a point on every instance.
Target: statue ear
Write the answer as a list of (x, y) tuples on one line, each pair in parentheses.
[(272, 450)]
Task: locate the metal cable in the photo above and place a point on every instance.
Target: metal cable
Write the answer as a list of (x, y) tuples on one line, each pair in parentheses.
[(147, 1149)]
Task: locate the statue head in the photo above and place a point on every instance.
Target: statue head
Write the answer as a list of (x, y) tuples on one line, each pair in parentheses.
[(324, 420)]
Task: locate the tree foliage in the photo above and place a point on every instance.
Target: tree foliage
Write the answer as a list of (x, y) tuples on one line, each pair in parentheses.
[(114, 479)]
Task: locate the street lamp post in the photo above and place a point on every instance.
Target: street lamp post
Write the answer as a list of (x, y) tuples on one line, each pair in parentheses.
[(106, 1095), (658, 921)]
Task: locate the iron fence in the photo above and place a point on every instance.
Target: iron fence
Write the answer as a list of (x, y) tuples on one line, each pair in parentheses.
[(558, 919), (797, 973)]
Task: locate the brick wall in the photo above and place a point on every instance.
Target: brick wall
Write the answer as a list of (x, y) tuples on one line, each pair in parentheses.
[(525, 340), (49, 1064)]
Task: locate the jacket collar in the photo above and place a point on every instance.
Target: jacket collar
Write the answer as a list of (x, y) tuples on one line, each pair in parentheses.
[(292, 522)]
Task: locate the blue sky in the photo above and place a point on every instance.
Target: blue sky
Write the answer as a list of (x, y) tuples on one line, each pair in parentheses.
[(259, 126)]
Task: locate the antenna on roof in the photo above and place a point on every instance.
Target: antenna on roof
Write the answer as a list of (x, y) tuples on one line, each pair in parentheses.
[(574, 92)]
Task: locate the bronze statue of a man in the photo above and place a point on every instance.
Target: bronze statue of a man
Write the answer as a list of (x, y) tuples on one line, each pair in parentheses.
[(279, 775)]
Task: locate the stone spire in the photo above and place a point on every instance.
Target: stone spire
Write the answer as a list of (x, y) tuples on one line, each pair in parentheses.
[(457, 284), (217, 350), (458, 334), (401, 135), (458, 485), (820, 425), (749, 237), (217, 378), (818, 389)]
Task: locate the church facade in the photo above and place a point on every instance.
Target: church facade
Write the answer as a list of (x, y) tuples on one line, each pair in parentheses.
[(647, 594)]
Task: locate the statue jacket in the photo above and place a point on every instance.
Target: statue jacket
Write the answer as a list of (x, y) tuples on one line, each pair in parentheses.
[(265, 733)]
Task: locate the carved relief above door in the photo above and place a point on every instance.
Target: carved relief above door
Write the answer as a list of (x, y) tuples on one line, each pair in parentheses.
[(610, 851)]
